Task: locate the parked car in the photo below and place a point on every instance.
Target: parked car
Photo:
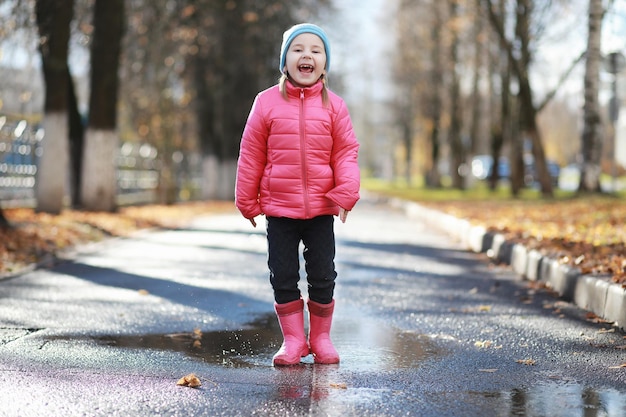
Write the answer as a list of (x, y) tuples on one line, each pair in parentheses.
[(482, 168), (530, 173)]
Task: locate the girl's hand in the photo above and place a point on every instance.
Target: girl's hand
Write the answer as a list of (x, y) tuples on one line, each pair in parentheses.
[(343, 214)]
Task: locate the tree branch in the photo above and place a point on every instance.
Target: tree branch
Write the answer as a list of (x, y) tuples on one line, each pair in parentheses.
[(562, 80)]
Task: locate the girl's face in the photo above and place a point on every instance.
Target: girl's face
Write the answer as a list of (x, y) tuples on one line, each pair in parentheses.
[(305, 60)]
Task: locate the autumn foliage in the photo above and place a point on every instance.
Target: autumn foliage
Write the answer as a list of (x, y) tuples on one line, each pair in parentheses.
[(587, 233), (36, 238)]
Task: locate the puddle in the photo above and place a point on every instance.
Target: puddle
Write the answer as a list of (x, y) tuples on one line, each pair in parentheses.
[(563, 399), (240, 348), (370, 345), (362, 345)]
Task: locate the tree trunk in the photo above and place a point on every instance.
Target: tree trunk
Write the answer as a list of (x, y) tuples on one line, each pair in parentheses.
[(407, 139), (99, 188), (528, 116), (4, 222), (527, 110), (520, 64), (76, 131), (591, 136), (456, 144), (433, 178), (53, 21), (516, 155), (479, 42), (502, 133)]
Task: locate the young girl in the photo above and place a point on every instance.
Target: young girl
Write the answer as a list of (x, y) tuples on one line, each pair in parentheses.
[(298, 166)]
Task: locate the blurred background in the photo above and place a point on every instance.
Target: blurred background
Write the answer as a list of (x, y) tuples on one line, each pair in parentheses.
[(109, 102)]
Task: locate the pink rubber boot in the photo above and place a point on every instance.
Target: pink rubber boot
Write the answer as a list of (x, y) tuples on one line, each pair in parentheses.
[(320, 319), (291, 320)]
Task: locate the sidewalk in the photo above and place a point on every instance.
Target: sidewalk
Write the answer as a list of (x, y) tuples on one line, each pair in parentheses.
[(596, 294)]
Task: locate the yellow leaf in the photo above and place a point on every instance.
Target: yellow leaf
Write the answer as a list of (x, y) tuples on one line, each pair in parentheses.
[(526, 361), (190, 381), (484, 308), (618, 366), (338, 385)]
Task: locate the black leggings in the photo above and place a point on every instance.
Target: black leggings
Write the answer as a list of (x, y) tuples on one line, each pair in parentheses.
[(283, 237)]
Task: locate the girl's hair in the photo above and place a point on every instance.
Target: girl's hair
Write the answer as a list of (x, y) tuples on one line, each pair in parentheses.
[(283, 91)]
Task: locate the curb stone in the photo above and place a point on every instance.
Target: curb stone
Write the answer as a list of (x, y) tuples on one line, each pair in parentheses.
[(588, 292)]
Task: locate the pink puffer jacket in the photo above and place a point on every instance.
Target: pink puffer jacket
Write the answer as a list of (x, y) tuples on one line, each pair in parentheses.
[(298, 158)]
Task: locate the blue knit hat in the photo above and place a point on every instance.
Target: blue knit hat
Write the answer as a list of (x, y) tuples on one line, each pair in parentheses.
[(296, 30)]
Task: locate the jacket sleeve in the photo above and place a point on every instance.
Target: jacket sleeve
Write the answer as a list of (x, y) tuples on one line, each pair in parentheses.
[(344, 161), (251, 162)]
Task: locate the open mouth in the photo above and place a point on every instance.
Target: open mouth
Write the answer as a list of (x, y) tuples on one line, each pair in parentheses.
[(306, 68)]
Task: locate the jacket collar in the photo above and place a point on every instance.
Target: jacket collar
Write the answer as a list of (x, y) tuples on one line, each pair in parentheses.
[(313, 90)]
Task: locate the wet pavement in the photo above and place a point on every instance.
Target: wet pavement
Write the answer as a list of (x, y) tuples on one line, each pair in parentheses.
[(423, 327)]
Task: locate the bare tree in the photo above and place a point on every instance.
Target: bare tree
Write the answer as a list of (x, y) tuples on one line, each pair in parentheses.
[(53, 21), (519, 52), (406, 71), (419, 78), (480, 43), (98, 185), (457, 148)]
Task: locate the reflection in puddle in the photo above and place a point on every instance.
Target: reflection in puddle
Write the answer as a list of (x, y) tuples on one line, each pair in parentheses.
[(368, 345), (556, 400)]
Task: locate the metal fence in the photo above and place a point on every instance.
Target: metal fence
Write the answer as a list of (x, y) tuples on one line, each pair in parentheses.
[(138, 168), (19, 152)]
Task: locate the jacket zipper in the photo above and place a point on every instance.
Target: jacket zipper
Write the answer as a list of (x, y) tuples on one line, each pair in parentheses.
[(305, 188)]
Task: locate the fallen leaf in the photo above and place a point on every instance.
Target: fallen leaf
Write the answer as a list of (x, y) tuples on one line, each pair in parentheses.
[(606, 331), (190, 381), (593, 318), (526, 361), (340, 385), (483, 344), (143, 292), (484, 308), (618, 366)]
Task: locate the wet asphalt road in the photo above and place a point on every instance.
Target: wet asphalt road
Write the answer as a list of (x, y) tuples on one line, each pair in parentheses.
[(423, 327)]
